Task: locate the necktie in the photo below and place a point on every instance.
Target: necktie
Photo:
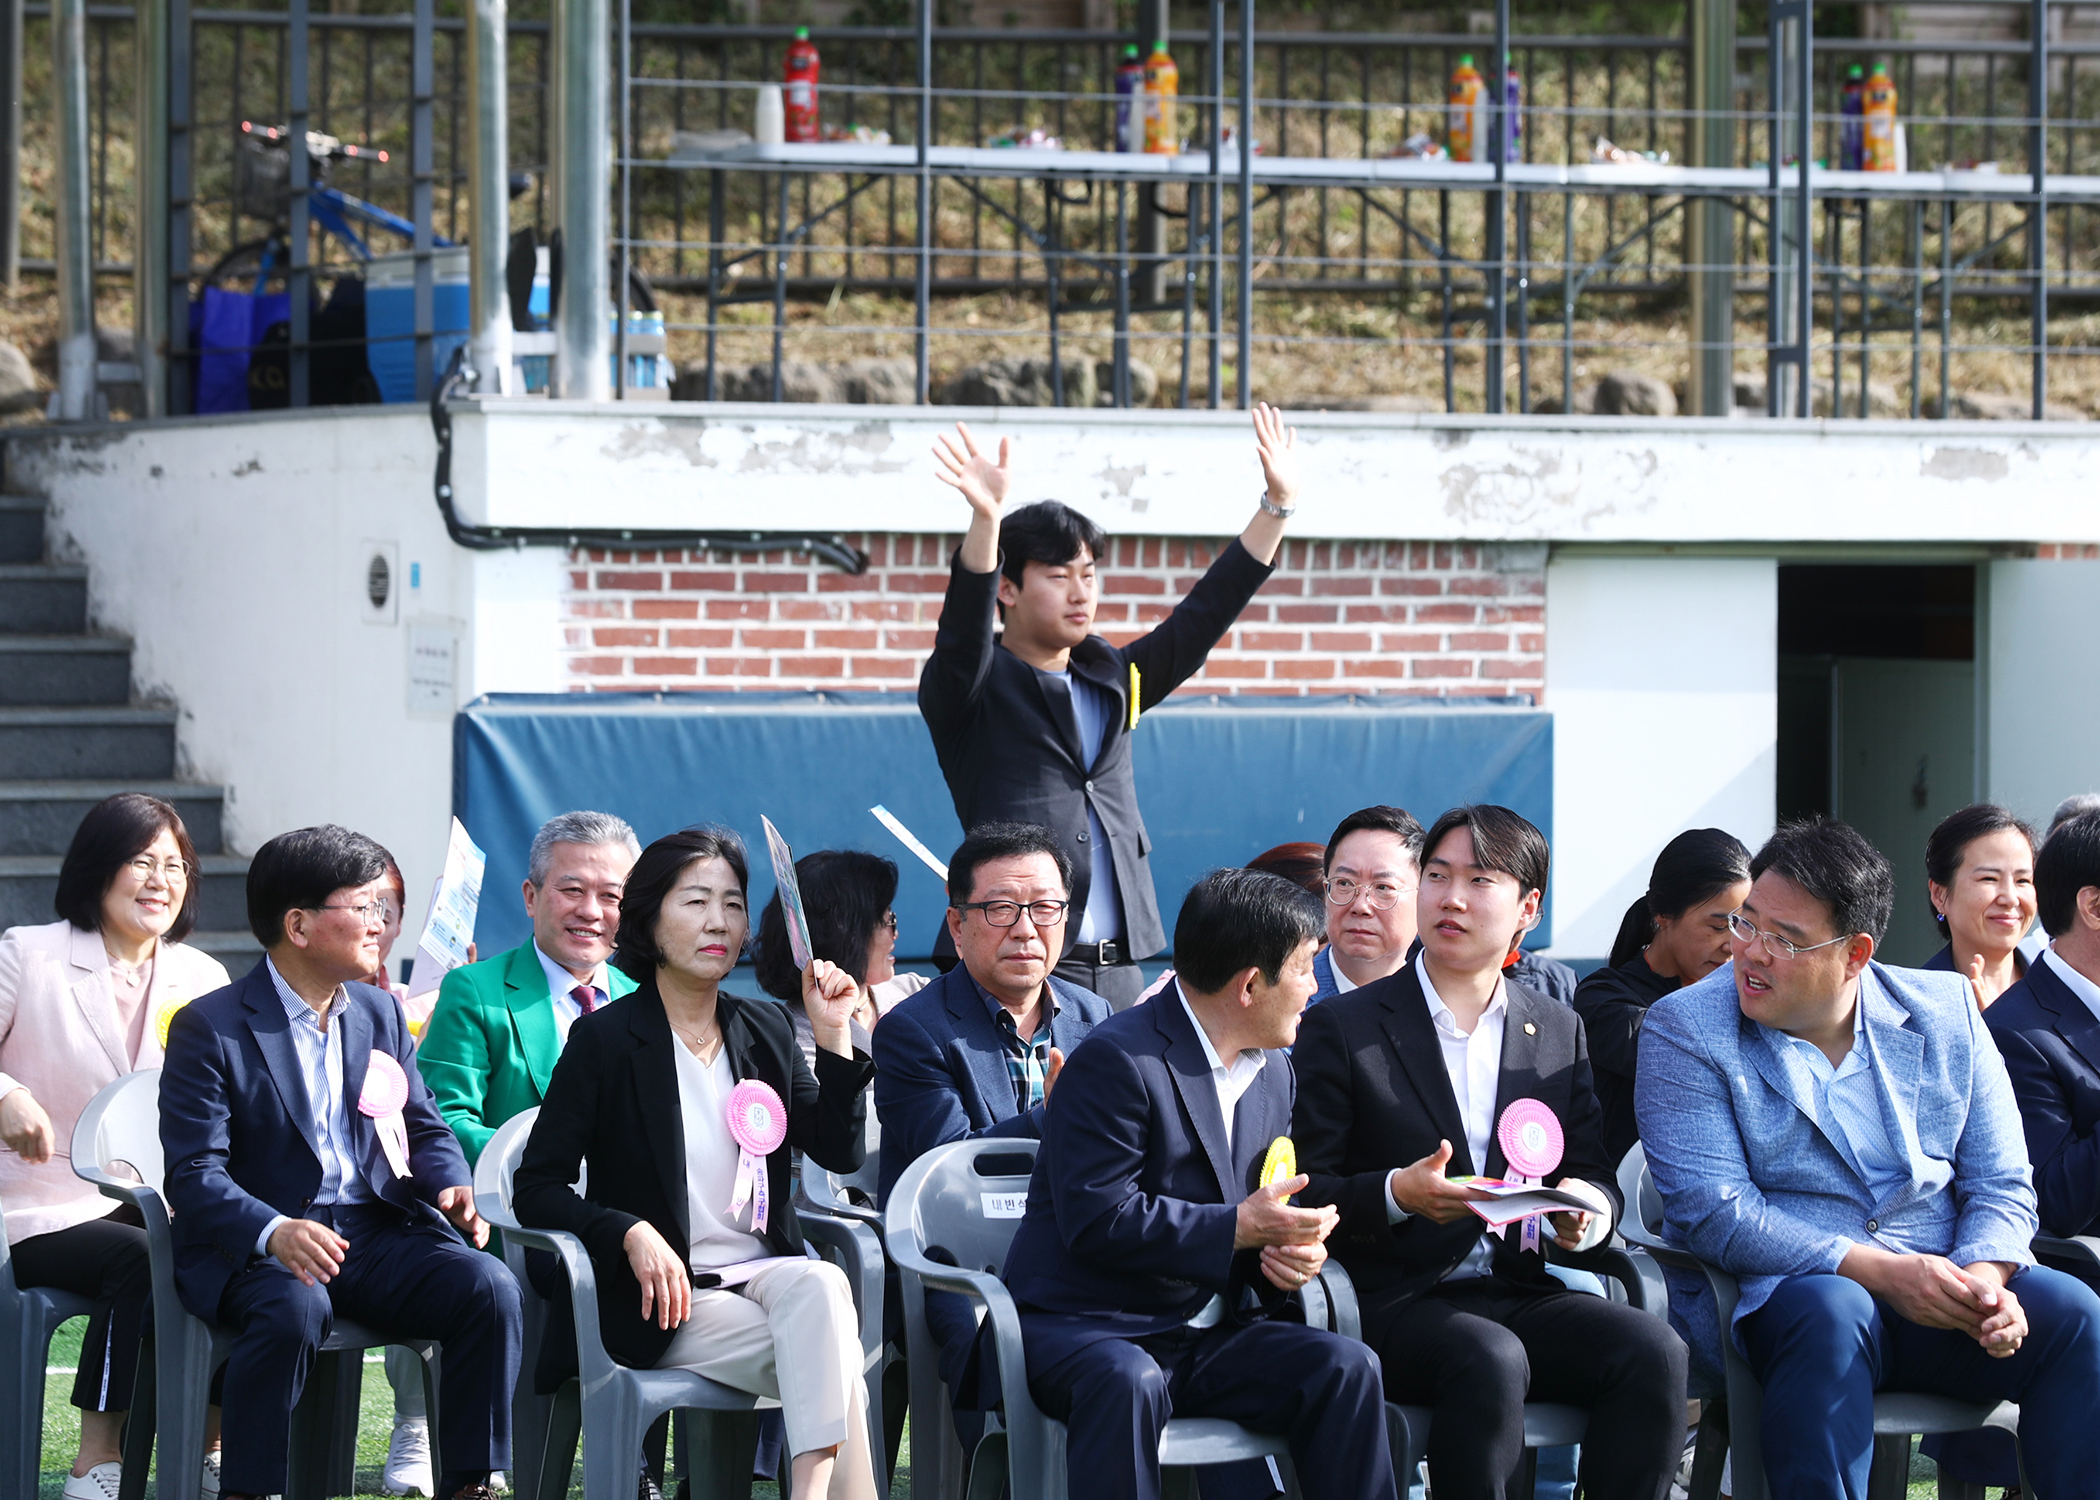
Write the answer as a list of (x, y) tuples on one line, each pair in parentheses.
[(586, 996)]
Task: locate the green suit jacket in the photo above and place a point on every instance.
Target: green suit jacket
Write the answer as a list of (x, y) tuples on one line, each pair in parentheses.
[(491, 1044)]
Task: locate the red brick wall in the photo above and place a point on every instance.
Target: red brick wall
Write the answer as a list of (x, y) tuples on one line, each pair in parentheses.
[(1433, 618)]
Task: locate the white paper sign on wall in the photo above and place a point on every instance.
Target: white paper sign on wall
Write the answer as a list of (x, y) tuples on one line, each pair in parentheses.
[(433, 669)]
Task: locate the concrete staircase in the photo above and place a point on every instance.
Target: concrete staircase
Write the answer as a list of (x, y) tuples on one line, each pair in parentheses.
[(71, 734)]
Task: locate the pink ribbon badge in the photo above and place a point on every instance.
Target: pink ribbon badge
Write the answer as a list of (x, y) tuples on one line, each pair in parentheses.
[(383, 1097), (758, 1125), (1532, 1144)]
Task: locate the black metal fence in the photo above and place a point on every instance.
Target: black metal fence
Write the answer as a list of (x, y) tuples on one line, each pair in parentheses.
[(1385, 281)]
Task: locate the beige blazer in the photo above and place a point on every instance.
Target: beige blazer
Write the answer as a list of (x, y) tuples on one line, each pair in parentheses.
[(59, 1039)]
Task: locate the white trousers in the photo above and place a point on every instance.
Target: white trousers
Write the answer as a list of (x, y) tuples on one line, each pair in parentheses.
[(791, 1333)]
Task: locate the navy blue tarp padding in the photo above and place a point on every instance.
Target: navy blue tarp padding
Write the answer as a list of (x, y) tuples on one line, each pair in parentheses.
[(1219, 780)]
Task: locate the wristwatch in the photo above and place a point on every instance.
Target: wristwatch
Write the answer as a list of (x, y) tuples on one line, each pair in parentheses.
[(1281, 512)]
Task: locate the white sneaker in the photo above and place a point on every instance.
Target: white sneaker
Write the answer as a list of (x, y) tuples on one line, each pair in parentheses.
[(499, 1482), (407, 1459), (99, 1483), (208, 1486)]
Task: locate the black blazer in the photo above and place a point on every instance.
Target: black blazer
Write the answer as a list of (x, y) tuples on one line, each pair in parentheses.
[(1373, 1095), (1612, 1004), (612, 1105), (2051, 1045), (1011, 754)]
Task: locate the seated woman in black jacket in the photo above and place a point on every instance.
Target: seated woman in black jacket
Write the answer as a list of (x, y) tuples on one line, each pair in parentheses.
[(1676, 934), (686, 1104)]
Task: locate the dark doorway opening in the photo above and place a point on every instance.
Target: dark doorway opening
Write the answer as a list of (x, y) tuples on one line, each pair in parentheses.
[(1877, 712)]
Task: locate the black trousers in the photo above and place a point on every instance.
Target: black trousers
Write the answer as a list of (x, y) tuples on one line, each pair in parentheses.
[(400, 1277), (1118, 984), (105, 1259), (1474, 1351), (1319, 1390)]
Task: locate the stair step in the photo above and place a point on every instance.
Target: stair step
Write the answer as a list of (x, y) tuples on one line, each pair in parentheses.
[(40, 744), (235, 948), (28, 882), (38, 817), (43, 598), (21, 529), (52, 670)]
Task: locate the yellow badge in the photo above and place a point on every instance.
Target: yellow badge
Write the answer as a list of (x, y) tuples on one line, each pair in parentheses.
[(1281, 1164), (167, 1019)]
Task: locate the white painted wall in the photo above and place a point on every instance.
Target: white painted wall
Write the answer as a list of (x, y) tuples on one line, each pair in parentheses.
[(1661, 674), (1594, 479), (233, 552), (2043, 737)]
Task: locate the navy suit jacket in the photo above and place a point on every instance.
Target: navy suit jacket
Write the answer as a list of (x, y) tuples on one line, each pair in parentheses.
[(238, 1136), (1135, 1198), (940, 1069), (2051, 1045)]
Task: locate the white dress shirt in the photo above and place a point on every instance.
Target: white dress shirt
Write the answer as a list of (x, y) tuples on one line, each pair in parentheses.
[(1849, 1096), (320, 1055), (1231, 1083), (561, 984), (1343, 984), (1473, 1062), (2080, 986), (714, 1238)]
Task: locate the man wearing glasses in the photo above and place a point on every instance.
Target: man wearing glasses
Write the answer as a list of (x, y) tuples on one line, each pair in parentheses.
[(1373, 866), (311, 1176), (976, 1053), (1842, 1136)]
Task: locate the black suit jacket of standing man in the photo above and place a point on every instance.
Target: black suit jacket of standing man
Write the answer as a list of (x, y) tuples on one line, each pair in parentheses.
[(1012, 754)]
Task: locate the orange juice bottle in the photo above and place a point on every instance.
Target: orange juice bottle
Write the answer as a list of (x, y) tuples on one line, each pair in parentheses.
[(1468, 93), (1880, 122), (1162, 83)]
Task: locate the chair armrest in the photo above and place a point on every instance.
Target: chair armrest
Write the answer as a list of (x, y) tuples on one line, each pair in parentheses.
[(1339, 1293), (592, 1362), (860, 1254), (814, 1195), (2080, 1250), (1633, 1268)]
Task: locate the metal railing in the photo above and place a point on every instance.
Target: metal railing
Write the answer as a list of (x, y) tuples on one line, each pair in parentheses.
[(1224, 280)]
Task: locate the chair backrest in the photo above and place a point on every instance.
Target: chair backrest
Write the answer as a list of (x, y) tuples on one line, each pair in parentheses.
[(121, 1125), (1643, 1203), (961, 1203), (497, 1164)]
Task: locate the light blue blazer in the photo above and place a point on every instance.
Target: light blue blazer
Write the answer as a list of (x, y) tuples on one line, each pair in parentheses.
[(1750, 1178)]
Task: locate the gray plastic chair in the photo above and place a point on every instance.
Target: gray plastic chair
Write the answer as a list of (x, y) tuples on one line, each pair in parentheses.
[(121, 1126), (530, 1412), (939, 1205), (1898, 1415), (29, 1316), (849, 1197), (609, 1406)]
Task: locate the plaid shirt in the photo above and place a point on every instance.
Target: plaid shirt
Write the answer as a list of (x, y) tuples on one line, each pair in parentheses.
[(1026, 1062)]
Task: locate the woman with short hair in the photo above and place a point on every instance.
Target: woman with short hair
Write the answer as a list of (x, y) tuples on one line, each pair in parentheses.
[(682, 1084), (83, 1001)]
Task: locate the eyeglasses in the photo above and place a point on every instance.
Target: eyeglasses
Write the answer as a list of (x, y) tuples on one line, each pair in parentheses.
[(1007, 913), (1384, 896), (888, 920), (368, 913), (1775, 945), (173, 870)]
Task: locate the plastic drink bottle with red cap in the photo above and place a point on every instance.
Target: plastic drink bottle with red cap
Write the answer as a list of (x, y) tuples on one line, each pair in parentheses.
[(800, 79)]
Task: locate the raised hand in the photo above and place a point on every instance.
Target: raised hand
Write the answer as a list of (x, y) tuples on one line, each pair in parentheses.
[(1278, 447), (829, 997), (983, 483)]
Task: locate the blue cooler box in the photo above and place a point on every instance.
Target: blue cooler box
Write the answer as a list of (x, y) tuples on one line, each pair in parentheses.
[(390, 317)]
